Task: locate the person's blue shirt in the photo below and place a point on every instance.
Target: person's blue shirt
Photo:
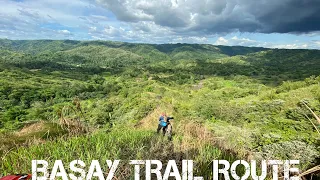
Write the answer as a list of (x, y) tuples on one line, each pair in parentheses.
[(162, 118)]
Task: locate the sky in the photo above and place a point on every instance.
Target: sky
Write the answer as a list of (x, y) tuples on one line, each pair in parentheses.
[(290, 24)]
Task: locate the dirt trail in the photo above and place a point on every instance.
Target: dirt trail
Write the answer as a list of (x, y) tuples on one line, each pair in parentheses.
[(192, 134), (31, 129), (151, 120)]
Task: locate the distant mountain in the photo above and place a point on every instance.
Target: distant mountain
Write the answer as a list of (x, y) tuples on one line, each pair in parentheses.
[(174, 50)]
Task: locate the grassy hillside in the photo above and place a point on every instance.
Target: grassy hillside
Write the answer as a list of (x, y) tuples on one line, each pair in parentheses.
[(228, 102)]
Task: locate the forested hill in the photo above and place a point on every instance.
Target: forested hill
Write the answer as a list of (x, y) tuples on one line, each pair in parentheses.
[(252, 99), (41, 46), (268, 65)]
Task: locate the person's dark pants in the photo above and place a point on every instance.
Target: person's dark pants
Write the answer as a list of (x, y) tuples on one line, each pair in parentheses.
[(163, 129)]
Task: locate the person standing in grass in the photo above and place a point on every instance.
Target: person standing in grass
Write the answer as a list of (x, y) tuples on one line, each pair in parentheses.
[(164, 120)]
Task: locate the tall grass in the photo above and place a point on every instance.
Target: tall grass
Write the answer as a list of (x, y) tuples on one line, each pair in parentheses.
[(121, 143), (118, 144)]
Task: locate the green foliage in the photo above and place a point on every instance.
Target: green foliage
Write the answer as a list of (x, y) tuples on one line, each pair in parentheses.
[(121, 143), (248, 96), (291, 150)]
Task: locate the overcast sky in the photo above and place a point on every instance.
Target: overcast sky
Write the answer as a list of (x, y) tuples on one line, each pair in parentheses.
[(264, 23)]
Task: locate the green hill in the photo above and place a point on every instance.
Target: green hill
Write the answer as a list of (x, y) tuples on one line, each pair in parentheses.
[(102, 96)]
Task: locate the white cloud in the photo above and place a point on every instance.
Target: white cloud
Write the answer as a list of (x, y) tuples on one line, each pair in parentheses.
[(243, 41), (317, 42), (236, 41), (66, 32), (290, 46), (92, 29), (191, 39), (312, 34), (112, 31), (222, 41), (37, 19), (168, 21)]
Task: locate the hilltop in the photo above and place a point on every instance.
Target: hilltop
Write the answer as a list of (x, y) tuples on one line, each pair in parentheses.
[(228, 102)]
